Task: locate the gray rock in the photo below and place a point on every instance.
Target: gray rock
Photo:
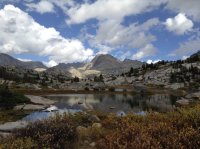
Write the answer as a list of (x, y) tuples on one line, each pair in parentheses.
[(10, 126), (195, 95), (4, 134), (40, 100), (29, 107), (183, 102), (94, 118), (93, 144), (29, 86), (111, 65), (175, 86)]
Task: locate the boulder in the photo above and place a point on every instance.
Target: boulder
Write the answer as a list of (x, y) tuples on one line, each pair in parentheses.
[(40, 100), (93, 144), (29, 86), (195, 95), (29, 107), (94, 118), (183, 102), (96, 125), (4, 134), (10, 126), (175, 86)]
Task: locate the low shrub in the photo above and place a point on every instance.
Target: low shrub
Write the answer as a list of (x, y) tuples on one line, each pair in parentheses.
[(87, 89), (173, 130), (58, 132), (9, 99), (112, 89), (19, 143), (176, 129)]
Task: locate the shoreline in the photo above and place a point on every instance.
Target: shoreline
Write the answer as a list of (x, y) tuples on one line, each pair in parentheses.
[(149, 91)]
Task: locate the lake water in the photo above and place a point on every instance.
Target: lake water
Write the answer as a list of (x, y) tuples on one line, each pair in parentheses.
[(108, 103)]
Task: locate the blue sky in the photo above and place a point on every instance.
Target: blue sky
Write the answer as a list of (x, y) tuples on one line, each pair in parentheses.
[(65, 31)]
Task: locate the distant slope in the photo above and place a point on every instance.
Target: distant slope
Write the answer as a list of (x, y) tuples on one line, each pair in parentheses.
[(62, 67), (197, 54), (69, 69), (132, 63), (109, 64), (8, 61), (194, 58), (103, 62), (69, 65)]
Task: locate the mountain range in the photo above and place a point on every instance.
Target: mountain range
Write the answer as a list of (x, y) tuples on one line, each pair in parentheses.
[(9, 61), (106, 64), (100, 64)]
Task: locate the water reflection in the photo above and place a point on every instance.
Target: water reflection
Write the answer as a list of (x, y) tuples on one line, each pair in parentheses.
[(40, 115), (115, 102), (120, 104)]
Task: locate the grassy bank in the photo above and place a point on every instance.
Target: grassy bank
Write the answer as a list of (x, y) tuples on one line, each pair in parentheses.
[(150, 91), (177, 129), (66, 91)]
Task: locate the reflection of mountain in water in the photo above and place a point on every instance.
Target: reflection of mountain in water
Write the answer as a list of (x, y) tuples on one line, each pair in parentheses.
[(127, 103), (161, 102)]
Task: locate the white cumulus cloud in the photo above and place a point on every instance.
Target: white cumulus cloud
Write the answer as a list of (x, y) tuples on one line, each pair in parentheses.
[(111, 35), (134, 36), (180, 24), (42, 7), (189, 7), (109, 9), (51, 63), (148, 50), (19, 33)]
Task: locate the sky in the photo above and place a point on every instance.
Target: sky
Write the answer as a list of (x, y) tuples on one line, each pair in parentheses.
[(67, 31)]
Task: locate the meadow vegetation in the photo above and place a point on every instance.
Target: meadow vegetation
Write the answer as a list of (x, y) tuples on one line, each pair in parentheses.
[(176, 129)]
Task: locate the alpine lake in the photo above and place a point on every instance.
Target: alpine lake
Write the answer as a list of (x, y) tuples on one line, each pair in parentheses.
[(119, 104)]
